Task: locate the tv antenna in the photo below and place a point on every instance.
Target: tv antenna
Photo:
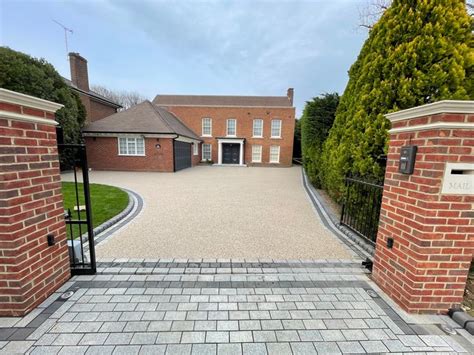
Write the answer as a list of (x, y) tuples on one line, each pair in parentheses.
[(66, 31)]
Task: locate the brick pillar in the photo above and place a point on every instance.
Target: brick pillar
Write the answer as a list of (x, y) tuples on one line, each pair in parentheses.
[(31, 206), (429, 214)]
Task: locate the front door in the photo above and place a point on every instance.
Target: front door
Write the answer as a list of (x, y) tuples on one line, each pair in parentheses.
[(230, 153)]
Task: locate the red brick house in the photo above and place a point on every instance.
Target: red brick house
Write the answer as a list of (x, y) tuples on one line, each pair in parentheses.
[(240, 130), (97, 106), (233, 130), (142, 138)]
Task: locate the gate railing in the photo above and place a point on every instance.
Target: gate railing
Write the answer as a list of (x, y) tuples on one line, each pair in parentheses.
[(79, 225), (361, 208)]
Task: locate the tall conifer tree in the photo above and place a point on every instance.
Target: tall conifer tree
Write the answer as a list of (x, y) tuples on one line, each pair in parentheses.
[(420, 51)]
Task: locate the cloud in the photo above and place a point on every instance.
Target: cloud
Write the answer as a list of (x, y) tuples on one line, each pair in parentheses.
[(265, 38)]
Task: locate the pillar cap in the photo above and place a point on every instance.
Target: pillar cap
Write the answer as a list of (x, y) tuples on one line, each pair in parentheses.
[(16, 98), (445, 106)]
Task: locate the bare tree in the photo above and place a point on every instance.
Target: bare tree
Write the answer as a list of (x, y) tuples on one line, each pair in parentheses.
[(125, 98), (371, 12)]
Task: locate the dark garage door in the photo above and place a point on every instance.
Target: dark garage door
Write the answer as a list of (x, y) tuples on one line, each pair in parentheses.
[(182, 155)]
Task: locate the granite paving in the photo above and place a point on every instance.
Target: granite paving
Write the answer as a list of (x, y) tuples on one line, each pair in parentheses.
[(244, 306)]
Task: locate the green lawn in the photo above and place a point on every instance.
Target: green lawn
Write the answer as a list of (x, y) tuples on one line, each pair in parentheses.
[(107, 201)]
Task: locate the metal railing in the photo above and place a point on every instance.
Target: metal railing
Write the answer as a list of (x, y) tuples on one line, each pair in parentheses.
[(361, 208)]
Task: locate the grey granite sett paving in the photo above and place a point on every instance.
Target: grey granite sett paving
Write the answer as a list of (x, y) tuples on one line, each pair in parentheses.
[(249, 307)]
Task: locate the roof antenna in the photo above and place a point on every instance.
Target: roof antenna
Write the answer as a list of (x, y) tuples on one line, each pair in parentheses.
[(66, 30)]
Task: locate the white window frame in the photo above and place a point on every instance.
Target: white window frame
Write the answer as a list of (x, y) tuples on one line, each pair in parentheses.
[(210, 127), (279, 130), (127, 140), (261, 128), (196, 148), (254, 148), (235, 127), (277, 161), (210, 152)]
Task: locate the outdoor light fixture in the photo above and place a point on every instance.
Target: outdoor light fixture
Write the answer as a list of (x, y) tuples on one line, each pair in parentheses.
[(157, 146)]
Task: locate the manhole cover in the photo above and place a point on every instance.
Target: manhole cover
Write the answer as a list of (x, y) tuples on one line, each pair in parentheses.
[(446, 328), (67, 295)]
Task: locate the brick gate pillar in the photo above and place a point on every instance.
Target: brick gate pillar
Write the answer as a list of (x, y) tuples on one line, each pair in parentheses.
[(31, 206), (428, 214)]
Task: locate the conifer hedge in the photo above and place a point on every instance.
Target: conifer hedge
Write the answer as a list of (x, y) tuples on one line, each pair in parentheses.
[(316, 121), (420, 51)]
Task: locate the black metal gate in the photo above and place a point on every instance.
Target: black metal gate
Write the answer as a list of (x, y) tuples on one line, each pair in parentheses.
[(79, 219), (361, 208), (182, 155)]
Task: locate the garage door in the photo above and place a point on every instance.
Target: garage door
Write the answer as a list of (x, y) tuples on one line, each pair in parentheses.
[(182, 155)]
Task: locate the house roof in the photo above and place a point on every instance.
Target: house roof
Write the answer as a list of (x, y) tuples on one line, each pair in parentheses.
[(215, 100), (142, 118), (92, 94)]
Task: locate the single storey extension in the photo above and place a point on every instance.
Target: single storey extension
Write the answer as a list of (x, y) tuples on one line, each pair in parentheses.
[(178, 131), (142, 138)]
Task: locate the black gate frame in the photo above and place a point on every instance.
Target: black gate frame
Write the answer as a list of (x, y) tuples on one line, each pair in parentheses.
[(361, 208), (71, 157)]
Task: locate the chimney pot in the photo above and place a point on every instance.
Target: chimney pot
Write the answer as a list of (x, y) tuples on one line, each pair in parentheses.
[(290, 93)]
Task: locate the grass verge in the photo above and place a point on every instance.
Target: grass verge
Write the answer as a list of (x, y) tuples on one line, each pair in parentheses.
[(107, 201)]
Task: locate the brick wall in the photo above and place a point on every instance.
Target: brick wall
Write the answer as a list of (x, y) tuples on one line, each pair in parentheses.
[(427, 268), (192, 117), (102, 154), (31, 205), (98, 110)]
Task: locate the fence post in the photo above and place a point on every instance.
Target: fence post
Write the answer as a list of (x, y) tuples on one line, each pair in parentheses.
[(428, 214), (34, 260)]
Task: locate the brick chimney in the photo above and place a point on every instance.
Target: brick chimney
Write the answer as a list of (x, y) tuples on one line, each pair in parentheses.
[(290, 93), (79, 75)]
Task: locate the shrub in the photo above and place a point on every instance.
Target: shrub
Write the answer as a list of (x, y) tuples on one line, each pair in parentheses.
[(418, 52), (36, 77)]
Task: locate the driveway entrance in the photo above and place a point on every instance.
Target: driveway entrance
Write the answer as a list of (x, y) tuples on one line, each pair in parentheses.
[(216, 212)]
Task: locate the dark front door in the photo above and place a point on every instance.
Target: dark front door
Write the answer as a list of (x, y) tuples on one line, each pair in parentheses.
[(231, 153), (182, 155)]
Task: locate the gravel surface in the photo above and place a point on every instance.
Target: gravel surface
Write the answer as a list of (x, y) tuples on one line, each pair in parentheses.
[(220, 212)]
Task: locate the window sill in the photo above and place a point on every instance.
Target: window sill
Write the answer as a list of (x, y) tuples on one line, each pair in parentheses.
[(274, 162), (206, 136), (257, 137), (132, 155), (276, 138)]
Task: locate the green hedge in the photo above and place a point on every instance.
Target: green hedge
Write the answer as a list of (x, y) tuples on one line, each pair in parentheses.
[(316, 121), (419, 52), (22, 73)]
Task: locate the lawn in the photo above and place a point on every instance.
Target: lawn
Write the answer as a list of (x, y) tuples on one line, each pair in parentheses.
[(107, 201)]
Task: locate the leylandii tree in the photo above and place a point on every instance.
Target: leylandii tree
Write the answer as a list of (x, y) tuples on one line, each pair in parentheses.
[(420, 51)]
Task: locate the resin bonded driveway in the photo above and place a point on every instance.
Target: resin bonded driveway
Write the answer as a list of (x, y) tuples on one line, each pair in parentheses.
[(217, 212)]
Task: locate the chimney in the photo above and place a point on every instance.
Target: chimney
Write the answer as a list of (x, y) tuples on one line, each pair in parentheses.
[(289, 93), (79, 75)]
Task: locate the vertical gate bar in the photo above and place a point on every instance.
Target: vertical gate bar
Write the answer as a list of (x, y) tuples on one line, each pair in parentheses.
[(344, 204), (77, 205), (90, 231), (72, 238)]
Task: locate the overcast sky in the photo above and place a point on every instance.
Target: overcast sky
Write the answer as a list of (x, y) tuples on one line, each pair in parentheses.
[(195, 47)]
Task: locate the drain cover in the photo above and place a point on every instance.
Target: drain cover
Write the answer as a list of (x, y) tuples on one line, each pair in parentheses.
[(446, 328), (372, 294), (66, 295)]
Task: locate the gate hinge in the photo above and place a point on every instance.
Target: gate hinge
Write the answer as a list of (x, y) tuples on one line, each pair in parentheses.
[(368, 264)]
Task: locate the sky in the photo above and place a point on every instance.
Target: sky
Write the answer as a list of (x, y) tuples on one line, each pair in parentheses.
[(212, 47)]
